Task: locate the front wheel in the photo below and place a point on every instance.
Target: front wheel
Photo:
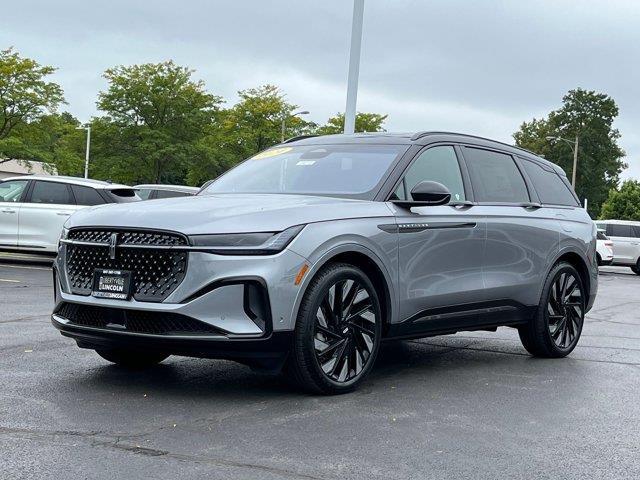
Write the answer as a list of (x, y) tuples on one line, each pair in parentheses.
[(131, 359), (338, 331), (556, 327), (636, 268)]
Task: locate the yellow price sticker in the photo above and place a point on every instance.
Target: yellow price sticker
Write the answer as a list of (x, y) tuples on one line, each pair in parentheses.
[(273, 152)]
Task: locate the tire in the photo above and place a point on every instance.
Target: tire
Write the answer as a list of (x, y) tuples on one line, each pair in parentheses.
[(636, 268), (555, 329), (131, 359), (337, 335), (599, 259)]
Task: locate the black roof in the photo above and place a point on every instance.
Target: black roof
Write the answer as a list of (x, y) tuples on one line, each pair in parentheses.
[(417, 138)]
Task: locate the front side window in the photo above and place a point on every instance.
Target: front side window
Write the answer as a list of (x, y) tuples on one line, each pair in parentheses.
[(495, 177), (86, 196), (51, 192), (11, 191), (437, 164), (351, 171), (550, 188)]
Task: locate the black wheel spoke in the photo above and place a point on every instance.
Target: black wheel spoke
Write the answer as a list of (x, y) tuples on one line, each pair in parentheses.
[(345, 330), (565, 307)]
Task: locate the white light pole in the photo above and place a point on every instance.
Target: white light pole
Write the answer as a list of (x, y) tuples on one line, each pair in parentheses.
[(354, 67), (574, 146), (86, 156), (284, 120)]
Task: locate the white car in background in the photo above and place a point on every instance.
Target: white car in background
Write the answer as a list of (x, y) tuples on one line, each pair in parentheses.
[(33, 208), (604, 249), (625, 236)]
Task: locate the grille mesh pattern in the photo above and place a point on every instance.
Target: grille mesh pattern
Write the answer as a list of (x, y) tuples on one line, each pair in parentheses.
[(155, 273), (136, 321), (129, 237)]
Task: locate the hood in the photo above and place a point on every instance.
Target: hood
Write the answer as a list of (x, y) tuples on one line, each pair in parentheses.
[(226, 213)]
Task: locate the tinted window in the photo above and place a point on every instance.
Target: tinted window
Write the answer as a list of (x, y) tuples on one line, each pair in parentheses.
[(11, 191), (86, 195), (495, 177), (550, 188), (170, 194), (616, 230), (438, 164), (51, 192), (601, 236)]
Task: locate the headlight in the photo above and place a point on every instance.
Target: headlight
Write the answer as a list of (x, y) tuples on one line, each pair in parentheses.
[(65, 233), (260, 243)]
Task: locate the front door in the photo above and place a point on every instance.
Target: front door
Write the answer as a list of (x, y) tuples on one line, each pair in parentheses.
[(440, 248), (11, 192)]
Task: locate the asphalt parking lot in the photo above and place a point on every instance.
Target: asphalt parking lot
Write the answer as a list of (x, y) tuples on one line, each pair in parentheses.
[(472, 405)]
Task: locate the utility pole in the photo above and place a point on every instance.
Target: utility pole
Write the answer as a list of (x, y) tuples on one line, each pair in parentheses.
[(354, 67), (575, 163), (86, 156)]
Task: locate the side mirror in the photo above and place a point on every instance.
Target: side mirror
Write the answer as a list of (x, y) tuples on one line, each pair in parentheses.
[(427, 193)]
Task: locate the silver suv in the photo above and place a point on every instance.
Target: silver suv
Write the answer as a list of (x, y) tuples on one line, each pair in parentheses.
[(308, 255)]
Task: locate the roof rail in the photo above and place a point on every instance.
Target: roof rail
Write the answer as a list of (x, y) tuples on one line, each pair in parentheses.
[(299, 137), (419, 135)]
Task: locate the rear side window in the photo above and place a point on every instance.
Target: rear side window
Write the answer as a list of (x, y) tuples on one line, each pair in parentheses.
[(495, 177), (51, 193), (170, 194), (144, 193), (617, 230), (549, 186), (601, 236), (86, 195)]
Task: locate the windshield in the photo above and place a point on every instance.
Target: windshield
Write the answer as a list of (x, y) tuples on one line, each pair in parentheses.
[(337, 170)]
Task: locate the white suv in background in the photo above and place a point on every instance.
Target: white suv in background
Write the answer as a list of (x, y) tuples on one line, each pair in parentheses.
[(34, 208), (625, 236), (604, 249)]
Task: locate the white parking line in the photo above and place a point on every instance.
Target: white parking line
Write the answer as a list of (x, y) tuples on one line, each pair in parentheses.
[(9, 280)]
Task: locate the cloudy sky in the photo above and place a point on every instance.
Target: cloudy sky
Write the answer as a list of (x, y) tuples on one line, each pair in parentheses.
[(478, 67)]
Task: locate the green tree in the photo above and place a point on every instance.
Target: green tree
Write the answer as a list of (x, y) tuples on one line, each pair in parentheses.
[(590, 116), (623, 204), (25, 97), (156, 117), (365, 122)]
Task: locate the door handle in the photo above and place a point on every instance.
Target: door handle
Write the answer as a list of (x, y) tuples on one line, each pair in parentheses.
[(64, 214), (8, 211), (464, 204)]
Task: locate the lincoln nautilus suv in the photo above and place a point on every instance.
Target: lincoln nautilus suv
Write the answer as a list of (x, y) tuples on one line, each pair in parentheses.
[(307, 256)]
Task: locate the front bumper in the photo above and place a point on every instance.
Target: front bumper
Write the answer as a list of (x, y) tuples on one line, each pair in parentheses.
[(268, 352)]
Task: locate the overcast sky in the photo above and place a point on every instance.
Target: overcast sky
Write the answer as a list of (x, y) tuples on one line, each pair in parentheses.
[(480, 67)]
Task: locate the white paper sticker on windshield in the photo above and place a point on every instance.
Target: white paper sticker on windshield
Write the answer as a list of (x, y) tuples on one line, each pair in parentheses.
[(306, 162)]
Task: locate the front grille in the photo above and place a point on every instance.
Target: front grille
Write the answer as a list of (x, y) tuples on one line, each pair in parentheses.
[(135, 321), (131, 237), (156, 273)]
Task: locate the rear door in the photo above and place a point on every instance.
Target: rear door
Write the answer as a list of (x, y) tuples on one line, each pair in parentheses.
[(48, 206), (440, 247), (12, 193), (625, 243), (522, 234)]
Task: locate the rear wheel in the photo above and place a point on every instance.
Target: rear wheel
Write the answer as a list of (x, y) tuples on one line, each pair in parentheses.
[(338, 331), (131, 359), (599, 259), (555, 330), (636, 268)]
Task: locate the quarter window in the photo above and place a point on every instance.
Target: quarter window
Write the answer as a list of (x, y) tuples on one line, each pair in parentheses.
[(86, 195), (51, 192), (170, 194), (437, 164), (495, 177), (549, 186)]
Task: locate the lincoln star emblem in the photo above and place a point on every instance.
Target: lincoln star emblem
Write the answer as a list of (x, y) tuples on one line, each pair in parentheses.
[(112, 246)]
